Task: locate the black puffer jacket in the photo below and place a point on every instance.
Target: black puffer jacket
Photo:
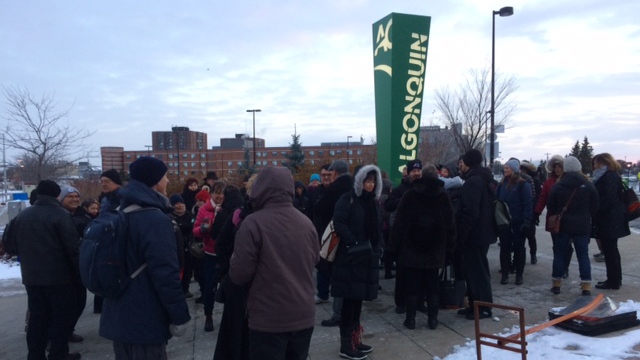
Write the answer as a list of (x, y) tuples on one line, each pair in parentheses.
[(609, 221), (577, 219), (357, 219), (474, 217), (424, 228), (324, 206)]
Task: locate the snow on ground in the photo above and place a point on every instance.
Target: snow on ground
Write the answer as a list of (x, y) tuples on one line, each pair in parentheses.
[(550, 343)]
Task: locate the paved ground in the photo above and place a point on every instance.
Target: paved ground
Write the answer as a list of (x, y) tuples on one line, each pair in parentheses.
[(383, 327)]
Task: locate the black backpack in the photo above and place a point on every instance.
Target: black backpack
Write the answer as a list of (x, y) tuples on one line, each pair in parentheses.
[(103, 266)]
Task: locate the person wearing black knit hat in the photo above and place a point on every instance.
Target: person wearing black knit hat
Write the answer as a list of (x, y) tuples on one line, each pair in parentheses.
[(51, 280), (112, 174), (475, 232), (159, 307)]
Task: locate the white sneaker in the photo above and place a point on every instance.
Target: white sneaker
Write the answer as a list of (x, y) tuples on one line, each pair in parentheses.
[(319, 300)]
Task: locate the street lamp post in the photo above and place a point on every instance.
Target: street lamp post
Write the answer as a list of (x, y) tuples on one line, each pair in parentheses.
[(254, 111), (148, 149), (348, 137), (505, 11)]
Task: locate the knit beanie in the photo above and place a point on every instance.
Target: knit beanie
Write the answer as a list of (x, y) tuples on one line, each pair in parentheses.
[(66, 190), (314, 177), (571, 164), (148, 170), (176, 198), (414, 164), (472, 158), (203, 195), (48, 188), (112, 175), (514, 165)]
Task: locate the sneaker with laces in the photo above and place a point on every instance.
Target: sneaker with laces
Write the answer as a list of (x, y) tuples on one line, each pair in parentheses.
[(320, 300)]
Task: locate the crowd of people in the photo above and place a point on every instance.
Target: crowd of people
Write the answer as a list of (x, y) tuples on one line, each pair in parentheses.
[(256, 249)]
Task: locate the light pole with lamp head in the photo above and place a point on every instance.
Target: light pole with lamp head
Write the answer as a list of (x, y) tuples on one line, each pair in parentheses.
[(348, 137), (505, 11), (254, 111)]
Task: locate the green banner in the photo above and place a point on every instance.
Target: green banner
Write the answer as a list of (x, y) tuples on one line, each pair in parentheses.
[(399, 60)]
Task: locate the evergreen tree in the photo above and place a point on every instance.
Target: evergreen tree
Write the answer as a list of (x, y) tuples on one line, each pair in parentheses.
[(575, 150), (295, 158), (585, 155)]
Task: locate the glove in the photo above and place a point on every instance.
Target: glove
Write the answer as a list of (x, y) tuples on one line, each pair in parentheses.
[(204, 228), (536, 219), (178, 330), (526, 226)]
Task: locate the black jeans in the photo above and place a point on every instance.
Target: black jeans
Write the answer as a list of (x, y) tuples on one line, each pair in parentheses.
[(423, 282), (139, 351), (293, 345), (612, 261), (350, 316), (53, 314)]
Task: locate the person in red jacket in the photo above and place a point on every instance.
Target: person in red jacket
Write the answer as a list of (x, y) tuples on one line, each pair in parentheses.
[(202, 229)]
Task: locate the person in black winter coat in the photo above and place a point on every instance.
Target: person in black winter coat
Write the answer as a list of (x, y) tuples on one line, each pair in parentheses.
[(422, 235), (300, 199), (357, 220), (48, 244), (576, 222), (609, 222), (527, 168), (474, 225), (184, 220), (233, 334), (189, 193)]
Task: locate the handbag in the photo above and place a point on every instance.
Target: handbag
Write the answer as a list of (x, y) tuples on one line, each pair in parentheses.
[(631, 203), (553, 222), (196, 249), (329, 243), (360, 251), (451, 288)]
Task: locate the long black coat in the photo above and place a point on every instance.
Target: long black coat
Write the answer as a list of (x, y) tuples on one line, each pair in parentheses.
[(424, 228), (326, 203), (609, 221), (577, 219), (357, 280)]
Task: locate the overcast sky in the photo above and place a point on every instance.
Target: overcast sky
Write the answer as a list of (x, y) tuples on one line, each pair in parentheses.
[(126, 68)]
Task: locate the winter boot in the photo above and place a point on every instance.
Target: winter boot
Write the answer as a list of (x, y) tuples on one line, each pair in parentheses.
[(208, 323), (347, 347), (585, 286), (555, 288), (410, 319), (365, 349)]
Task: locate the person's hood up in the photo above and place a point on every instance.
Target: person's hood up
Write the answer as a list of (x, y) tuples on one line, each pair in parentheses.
[(555, 159), (300, 184), (274, 185), (136, 192), (362, 174)]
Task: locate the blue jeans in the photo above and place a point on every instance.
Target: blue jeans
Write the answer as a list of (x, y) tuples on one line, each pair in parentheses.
[(561, 248)]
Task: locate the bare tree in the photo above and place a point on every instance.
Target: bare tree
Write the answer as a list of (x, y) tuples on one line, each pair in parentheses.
[(466, 110), (35, 127)]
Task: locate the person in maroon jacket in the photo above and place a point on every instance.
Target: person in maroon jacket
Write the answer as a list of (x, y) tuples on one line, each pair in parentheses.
[(275, 251)]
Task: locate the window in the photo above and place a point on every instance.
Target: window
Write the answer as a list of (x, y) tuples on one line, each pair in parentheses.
[(359, 152), (320, 152), (185, 155), (239, 163), (170, 156), (193, 164), (128, 156), (311, 152), (332, 152), (313, 162), (193, 156), (283, 153), (229, 163), (202, 156), (339, 152), (274, 163), (202, 164), (275, 153)]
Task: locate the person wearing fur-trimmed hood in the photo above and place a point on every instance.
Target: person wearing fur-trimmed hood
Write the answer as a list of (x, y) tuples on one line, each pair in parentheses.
[(357, 220)]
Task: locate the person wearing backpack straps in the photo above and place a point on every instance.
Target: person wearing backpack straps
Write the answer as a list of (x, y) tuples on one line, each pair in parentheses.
[(517, 194), (154, 298), (609, 222)]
